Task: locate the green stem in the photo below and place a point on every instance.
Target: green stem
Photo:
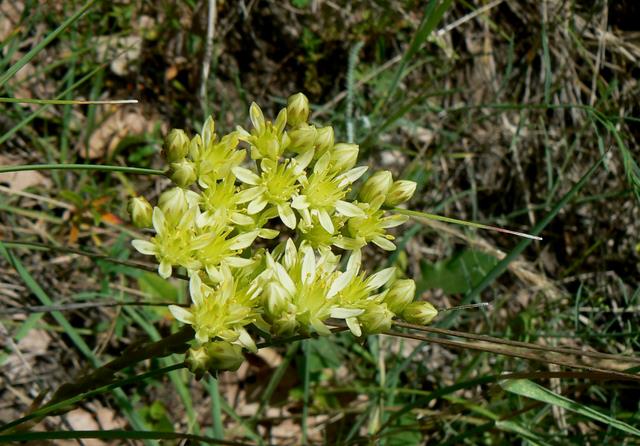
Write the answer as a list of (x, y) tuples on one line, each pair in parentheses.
[(92, 255), (427, 216), (117, 435), (175, 343), (104, 376), (65, 101), (102, 168), (62, 405)]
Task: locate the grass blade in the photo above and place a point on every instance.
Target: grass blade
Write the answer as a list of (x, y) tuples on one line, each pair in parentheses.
[(65, 101), (529, 389), (432, 15), (425, 215), (80, 344), (64, 404), (39, 47), (116, 435), (216, 407), (97, 167), (501, 267)]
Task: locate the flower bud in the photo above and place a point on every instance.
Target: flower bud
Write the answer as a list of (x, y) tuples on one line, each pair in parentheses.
[(176, 145), (377, 185), (175, 202), (376, 319), (183, 173), (344, 156), (224, 356), (196, 148), (140, 211), (419, 313), (302, 138), (285, 325), (401, 191), (297, 109), (324, 140), (400, 295), (197, 361), (214, 356), (208, 132)]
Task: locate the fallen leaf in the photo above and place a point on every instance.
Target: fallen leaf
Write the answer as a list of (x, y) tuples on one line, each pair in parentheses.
[(81, 420), (105, 139), (111, 218), (18, 181)]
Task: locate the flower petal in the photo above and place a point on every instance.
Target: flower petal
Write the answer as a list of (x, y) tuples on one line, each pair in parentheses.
[(300, 202), (320, 327), (257, 205), (287, 216), (195, 289), (257, 118), (322, 164), (344, 313), (325, 221), (352, 175), (285, 279), (181, 314), (246, 176), (393, 221), (341, 283), (378, 279), (355, 260), (248, 194), (247, 341), (214, 273), (268, 234), (303, 160), (145, 247), (158, 219), (240, 219), (349, 209), (164, 269), (242, 241), (354, 326), (384, 243), (238, 262), (308, 270)]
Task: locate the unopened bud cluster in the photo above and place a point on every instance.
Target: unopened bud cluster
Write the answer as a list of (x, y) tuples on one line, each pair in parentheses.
[(261, 237)]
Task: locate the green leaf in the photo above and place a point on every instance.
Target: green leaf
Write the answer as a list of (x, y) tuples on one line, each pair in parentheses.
[(323, 354), (409, 435), (529, 389), (158, 287), (458, 274)]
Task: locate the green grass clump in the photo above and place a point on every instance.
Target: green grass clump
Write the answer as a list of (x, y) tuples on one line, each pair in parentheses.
[(518, 115)]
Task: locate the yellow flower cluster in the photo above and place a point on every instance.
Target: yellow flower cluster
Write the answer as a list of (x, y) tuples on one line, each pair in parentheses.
[(260, 237)]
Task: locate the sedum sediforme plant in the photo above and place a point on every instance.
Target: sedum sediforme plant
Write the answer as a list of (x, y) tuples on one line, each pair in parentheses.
[(261, 220)]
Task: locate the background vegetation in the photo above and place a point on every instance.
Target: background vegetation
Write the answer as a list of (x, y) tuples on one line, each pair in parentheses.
[(521, 114)]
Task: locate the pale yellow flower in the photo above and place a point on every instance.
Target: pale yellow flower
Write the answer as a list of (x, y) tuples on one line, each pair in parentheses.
[(216, 249), (296, 295), (214, 158), (267, 140), (221, 207), (172, 244), (277, 185), (354, 294), (222, 312), (371, 228), (323, 192)]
